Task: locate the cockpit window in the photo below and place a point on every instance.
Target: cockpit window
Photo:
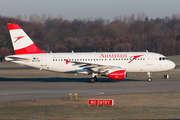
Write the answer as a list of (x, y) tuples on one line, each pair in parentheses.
[(163, 58)]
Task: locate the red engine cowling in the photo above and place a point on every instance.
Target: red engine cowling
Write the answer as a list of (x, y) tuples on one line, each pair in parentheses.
[(117, 74)]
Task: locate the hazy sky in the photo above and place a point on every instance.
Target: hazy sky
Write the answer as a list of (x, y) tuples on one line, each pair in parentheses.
[(83, 9)]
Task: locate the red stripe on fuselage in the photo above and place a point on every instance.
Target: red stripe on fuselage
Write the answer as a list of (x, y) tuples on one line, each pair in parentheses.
[(134, 57), (67, 61), (31, 49), (13, 26)]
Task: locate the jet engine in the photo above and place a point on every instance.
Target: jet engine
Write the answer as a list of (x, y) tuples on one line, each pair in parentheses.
[(117, 74)]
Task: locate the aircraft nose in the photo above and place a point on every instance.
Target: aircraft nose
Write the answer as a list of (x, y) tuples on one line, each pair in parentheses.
[(172, 65)]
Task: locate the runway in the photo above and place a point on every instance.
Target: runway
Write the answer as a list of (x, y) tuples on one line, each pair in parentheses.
[(23, 90)]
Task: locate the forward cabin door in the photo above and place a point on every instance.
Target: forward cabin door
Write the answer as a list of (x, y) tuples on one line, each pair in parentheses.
[(149, 59), (43, 61)]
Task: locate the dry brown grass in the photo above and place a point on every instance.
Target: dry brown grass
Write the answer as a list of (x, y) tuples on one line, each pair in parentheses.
[(160, 105)]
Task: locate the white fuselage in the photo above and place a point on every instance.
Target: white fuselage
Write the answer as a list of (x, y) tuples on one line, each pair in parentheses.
[(146, 62)]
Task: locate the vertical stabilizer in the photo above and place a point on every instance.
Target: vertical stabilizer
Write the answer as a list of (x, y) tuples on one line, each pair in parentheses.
[(21, 42)]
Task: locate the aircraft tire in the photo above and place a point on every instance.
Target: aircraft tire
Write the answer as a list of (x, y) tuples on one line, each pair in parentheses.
[(95, 78), (149, 79), (92, 80)]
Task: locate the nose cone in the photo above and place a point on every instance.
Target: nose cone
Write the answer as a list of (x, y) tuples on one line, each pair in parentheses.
[(171, 65)]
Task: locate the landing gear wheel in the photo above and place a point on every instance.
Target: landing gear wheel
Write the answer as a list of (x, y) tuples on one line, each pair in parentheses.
[(92, 80), (149, 79), (149, 76), (95, 78)]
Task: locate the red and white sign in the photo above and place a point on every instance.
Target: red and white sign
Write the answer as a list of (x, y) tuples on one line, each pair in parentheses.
[(101, 102)]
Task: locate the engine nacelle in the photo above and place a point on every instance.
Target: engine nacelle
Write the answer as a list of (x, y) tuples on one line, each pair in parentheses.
[(117, 74)]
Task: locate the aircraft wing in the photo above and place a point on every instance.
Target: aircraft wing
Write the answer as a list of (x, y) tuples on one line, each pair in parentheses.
[(93, 67)]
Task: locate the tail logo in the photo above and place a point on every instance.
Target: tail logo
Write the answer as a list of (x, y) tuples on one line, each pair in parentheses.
[(18, 38)]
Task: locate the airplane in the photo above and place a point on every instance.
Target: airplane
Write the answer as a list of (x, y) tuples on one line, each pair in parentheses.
[(114, 65)]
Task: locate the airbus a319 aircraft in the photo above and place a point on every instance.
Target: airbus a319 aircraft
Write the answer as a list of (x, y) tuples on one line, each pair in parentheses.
[(114, 65)]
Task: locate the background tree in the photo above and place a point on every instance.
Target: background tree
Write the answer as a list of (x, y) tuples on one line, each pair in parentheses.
[(127, 33)]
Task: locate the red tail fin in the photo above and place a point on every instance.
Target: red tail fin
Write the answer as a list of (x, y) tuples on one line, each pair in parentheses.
[(21, 42)]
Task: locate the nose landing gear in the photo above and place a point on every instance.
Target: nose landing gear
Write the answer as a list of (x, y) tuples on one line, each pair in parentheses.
[(149, 79)]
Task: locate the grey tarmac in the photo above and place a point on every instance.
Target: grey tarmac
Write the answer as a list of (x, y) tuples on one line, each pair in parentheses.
[(23, 90)]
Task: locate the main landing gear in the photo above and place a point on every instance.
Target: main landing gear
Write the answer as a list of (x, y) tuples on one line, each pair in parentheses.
[(93, 79), (149, 79)]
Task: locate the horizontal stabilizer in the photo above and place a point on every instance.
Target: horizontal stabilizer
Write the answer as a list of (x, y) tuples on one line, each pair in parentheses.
[(16, 59)]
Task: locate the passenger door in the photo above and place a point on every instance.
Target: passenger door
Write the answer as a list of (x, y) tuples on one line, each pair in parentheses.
[(149, 59)]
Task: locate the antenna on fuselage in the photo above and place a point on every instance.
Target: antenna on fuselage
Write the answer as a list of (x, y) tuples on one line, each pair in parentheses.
[(146, 50), (72, 51)]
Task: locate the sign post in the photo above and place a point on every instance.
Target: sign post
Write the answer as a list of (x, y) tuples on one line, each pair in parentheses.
[(76, 96), (71, 95)]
